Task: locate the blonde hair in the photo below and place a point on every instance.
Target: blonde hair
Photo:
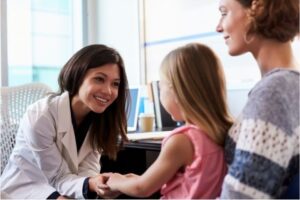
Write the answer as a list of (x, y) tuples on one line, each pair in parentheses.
[(198, 81)]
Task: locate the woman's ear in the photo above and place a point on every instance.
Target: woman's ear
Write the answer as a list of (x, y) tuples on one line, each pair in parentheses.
[(256, 7), (254, 4)]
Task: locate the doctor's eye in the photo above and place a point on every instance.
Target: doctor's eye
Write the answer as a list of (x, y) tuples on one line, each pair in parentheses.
[(99, 79), (116, 84)]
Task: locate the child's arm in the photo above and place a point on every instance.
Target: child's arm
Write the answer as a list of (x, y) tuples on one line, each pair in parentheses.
[(177, 152)]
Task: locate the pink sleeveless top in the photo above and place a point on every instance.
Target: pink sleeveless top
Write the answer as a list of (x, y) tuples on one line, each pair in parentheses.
[(204, 176)]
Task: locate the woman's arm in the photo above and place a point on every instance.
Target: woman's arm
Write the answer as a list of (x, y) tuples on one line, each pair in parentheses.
[(176, 153)]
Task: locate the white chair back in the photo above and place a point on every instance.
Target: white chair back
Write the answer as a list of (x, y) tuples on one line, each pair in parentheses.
[(13, 103)]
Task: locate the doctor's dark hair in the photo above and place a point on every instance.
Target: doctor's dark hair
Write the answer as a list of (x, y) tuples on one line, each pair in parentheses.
[(273, 19), (107, 126)]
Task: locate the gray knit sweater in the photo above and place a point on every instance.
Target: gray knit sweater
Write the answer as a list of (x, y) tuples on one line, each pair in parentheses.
[(262, 149)]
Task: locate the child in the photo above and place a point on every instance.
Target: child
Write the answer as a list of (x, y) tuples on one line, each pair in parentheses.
[(191, 162)]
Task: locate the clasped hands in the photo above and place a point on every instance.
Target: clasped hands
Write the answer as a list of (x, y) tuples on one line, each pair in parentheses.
[(105, 184)]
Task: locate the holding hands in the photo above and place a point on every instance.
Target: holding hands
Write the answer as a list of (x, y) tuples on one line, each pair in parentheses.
[(107, 185), (99, 185), (116, 179)]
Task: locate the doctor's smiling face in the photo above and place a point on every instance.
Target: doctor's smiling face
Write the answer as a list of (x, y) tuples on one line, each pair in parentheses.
[(98, 90), (96, 81)]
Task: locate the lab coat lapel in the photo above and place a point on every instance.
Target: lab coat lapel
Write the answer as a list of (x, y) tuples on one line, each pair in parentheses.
[(66, 132)]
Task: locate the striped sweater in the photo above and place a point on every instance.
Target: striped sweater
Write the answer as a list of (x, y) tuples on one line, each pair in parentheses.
[(262, 149)]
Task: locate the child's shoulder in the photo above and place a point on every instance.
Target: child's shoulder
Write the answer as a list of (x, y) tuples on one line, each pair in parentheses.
[(191, 131), (200, 140)]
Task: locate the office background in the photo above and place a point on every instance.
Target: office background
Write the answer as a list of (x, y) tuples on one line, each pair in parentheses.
[(39, 36)]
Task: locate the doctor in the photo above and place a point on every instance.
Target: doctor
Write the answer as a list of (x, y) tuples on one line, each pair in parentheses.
[(61, 137)]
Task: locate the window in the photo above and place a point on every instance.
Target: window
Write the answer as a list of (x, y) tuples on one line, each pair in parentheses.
[(41, 36)]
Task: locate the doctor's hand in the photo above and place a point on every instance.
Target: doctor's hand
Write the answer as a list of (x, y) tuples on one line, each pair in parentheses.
[(98, 185), (63, 198)]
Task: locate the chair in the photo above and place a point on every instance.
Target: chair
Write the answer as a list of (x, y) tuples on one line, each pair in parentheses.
[(14, 102)]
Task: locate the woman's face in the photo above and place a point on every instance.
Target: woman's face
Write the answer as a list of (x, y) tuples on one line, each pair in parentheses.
[(233, 26), (99, 89)]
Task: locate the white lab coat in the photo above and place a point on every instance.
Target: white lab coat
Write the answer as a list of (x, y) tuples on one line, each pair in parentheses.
[(45, 157)]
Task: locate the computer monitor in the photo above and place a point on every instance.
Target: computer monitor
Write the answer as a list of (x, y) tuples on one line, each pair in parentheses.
[(163, 119), (132, 116)]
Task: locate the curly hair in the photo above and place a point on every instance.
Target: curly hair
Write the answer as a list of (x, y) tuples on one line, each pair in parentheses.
[(274, 19)]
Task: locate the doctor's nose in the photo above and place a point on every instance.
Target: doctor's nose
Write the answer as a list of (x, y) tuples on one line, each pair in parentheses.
[(107, 89)]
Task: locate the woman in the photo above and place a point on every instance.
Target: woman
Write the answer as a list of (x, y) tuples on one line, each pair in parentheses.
[(262, 149), (61, 137)]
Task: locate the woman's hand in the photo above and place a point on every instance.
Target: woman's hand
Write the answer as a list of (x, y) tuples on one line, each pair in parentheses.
[(98, 184), (98, 181)]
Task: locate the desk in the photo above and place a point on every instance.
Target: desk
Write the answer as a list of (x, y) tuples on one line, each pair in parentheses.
[(150, 145), (135, 157)]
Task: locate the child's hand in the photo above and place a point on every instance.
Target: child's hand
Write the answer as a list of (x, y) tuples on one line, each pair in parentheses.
[(98, 185), (131, 175), (114, 180), (97, 181)]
